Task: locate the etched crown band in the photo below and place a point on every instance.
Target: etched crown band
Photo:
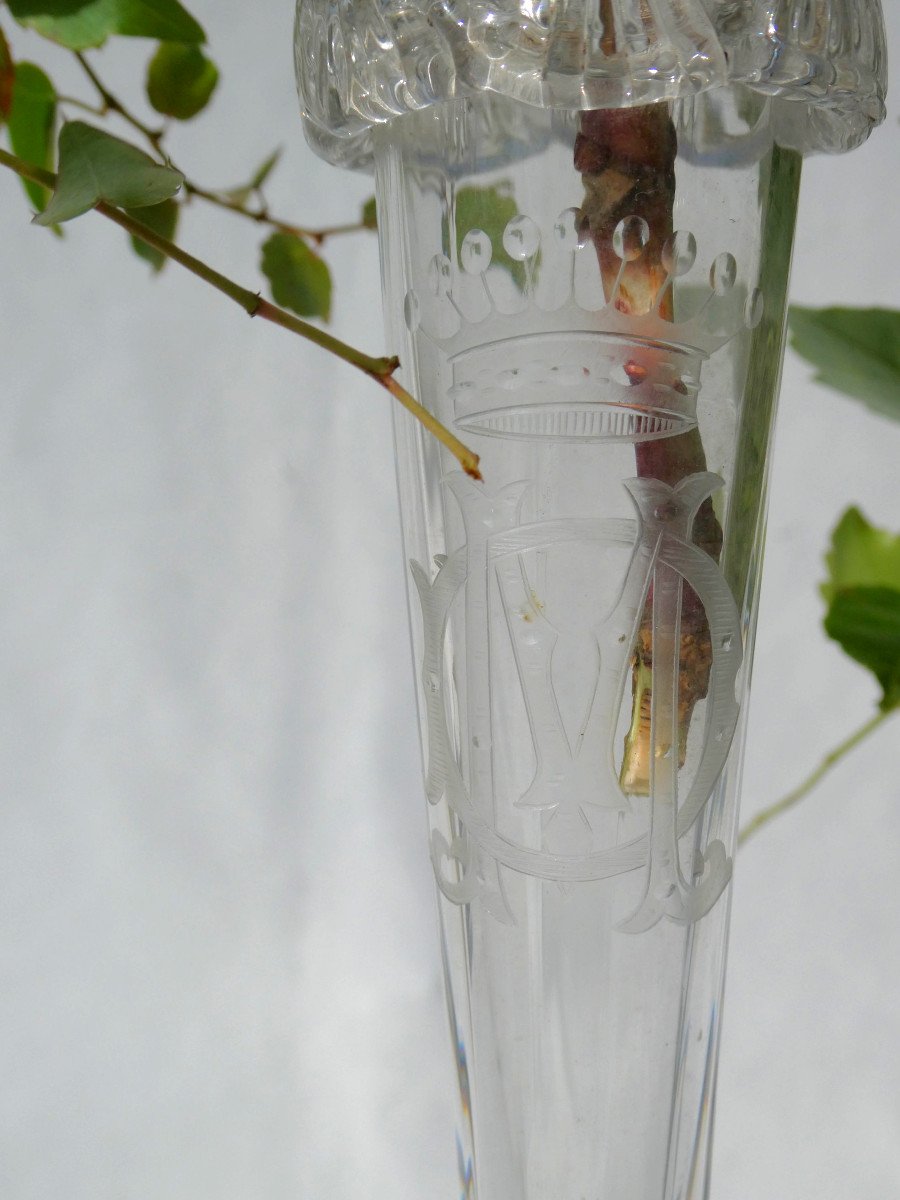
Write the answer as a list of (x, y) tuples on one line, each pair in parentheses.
[(575, 386), (536, 354)]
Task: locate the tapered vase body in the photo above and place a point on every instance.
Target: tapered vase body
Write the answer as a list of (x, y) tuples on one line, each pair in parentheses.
[(585, 213), (583, 616)]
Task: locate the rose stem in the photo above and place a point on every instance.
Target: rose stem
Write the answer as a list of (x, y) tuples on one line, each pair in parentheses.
[(627, 161)]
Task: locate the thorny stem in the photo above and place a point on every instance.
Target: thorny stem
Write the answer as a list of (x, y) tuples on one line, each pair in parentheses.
[(380, 369), (261, 215), (803, 789)]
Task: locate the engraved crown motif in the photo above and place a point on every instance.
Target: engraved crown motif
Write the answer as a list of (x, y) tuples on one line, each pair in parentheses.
[(537, 354)]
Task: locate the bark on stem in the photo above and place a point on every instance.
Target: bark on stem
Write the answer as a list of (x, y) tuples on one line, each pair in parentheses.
[(627, 161)]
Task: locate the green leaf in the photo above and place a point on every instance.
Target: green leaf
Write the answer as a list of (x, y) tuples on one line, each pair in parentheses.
[(855, 350), (240, 195), (80, 24), (7, 77), (861, 555), (162, 219), (369, 216), (489, 209), (31, 123), (180, 80), (863, 595), (300, 279), (866, 623), (95, 166), (265, 170)]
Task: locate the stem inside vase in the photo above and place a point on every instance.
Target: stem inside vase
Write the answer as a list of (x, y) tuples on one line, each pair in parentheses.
[(627, 161)]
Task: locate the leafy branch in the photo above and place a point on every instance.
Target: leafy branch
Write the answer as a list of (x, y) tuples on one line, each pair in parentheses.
[(379, 369), (109, 103), (137, 192), (814, 778), (167, 96), (857, 352), (262, 216)]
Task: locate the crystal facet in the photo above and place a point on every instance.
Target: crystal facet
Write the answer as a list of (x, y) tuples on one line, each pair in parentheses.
[(363, 62)]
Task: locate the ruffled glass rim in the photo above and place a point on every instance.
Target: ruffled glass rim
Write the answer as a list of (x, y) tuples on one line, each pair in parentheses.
[(362, 63)]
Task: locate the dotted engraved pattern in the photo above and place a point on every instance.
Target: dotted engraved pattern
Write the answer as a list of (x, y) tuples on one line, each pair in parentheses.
[(551, 363)]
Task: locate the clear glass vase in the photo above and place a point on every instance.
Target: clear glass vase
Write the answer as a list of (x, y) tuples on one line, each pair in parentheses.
[(586, 215), (583, 618)]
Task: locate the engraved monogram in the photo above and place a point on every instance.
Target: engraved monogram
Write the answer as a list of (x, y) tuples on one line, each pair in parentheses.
[(509, 632), (531, 625)]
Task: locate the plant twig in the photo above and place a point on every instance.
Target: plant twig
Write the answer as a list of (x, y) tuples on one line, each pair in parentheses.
[(626, 158), (261, 215), (96, 110), (803, 789), (112, 104), (380, 369)]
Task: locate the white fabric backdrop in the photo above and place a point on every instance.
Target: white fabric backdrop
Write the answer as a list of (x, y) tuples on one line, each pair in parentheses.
[(219, 972)]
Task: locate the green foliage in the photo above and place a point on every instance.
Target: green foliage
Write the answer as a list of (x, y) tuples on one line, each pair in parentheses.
[(81, 24), (863, 595), (32, 120), (866, 623), (264, 170), (95, 166), (162, 219), (861, 555), (855, 350), (300, 279), (241, 194), (180, 80)]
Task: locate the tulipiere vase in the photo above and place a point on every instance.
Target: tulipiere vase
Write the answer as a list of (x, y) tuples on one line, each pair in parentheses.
[(586, 216)]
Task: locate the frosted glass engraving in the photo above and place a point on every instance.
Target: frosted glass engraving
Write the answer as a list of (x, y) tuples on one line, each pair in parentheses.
[(595, 301), (582, 620), (574, 774), (544, 363), (668, 514)]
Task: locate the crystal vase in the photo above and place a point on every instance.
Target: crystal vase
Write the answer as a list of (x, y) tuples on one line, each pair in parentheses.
[(585, 234)]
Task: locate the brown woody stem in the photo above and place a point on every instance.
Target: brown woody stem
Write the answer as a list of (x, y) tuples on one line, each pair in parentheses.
[(627, 161)]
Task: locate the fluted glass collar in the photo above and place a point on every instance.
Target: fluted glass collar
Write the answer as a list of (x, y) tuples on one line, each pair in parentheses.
[(361, 63)]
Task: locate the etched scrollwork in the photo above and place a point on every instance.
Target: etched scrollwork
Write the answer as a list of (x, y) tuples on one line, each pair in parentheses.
[(572, 774)]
